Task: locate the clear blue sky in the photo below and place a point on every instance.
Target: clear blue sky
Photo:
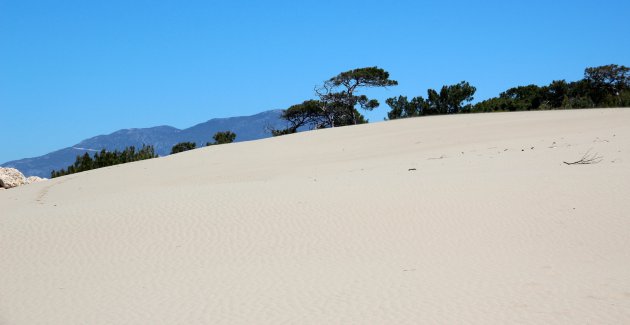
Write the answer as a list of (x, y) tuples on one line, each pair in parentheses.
[(70, 70)]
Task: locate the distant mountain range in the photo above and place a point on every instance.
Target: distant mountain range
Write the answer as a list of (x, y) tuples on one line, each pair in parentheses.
[(161, 137)]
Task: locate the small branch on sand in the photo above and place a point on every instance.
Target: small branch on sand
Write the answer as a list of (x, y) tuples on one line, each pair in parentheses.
[(587, 159), (440, 157)]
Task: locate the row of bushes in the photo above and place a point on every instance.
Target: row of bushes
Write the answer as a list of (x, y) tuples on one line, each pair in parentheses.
[(219, 138), (106, 158), (338, 99)]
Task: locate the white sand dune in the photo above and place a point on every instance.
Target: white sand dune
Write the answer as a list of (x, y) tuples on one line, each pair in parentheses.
[(332, 227)]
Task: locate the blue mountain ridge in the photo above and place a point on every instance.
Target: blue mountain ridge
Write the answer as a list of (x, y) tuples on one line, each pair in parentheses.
[(161, 137)]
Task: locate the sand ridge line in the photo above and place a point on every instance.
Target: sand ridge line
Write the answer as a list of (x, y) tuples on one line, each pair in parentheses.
[(291, 231)]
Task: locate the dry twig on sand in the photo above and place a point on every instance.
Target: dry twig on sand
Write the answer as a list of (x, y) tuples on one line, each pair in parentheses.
[(587, 159)]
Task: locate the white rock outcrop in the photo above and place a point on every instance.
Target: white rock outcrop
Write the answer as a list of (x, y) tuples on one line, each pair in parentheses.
[(34, 179), (11, 177)]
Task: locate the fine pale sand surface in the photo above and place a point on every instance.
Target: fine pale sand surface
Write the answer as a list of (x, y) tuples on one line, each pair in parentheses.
[(332, 227)]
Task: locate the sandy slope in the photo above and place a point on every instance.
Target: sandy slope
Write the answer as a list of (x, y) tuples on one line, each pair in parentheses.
[(331, 227)]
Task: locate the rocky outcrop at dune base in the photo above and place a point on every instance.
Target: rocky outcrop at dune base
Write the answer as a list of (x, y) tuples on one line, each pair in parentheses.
[(11, 177)]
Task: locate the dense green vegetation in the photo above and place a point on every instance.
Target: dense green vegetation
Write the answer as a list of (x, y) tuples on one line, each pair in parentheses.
[(603, 86), (183, 146), (337, 103), (451, 99), (106, 158), (222, 138)]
